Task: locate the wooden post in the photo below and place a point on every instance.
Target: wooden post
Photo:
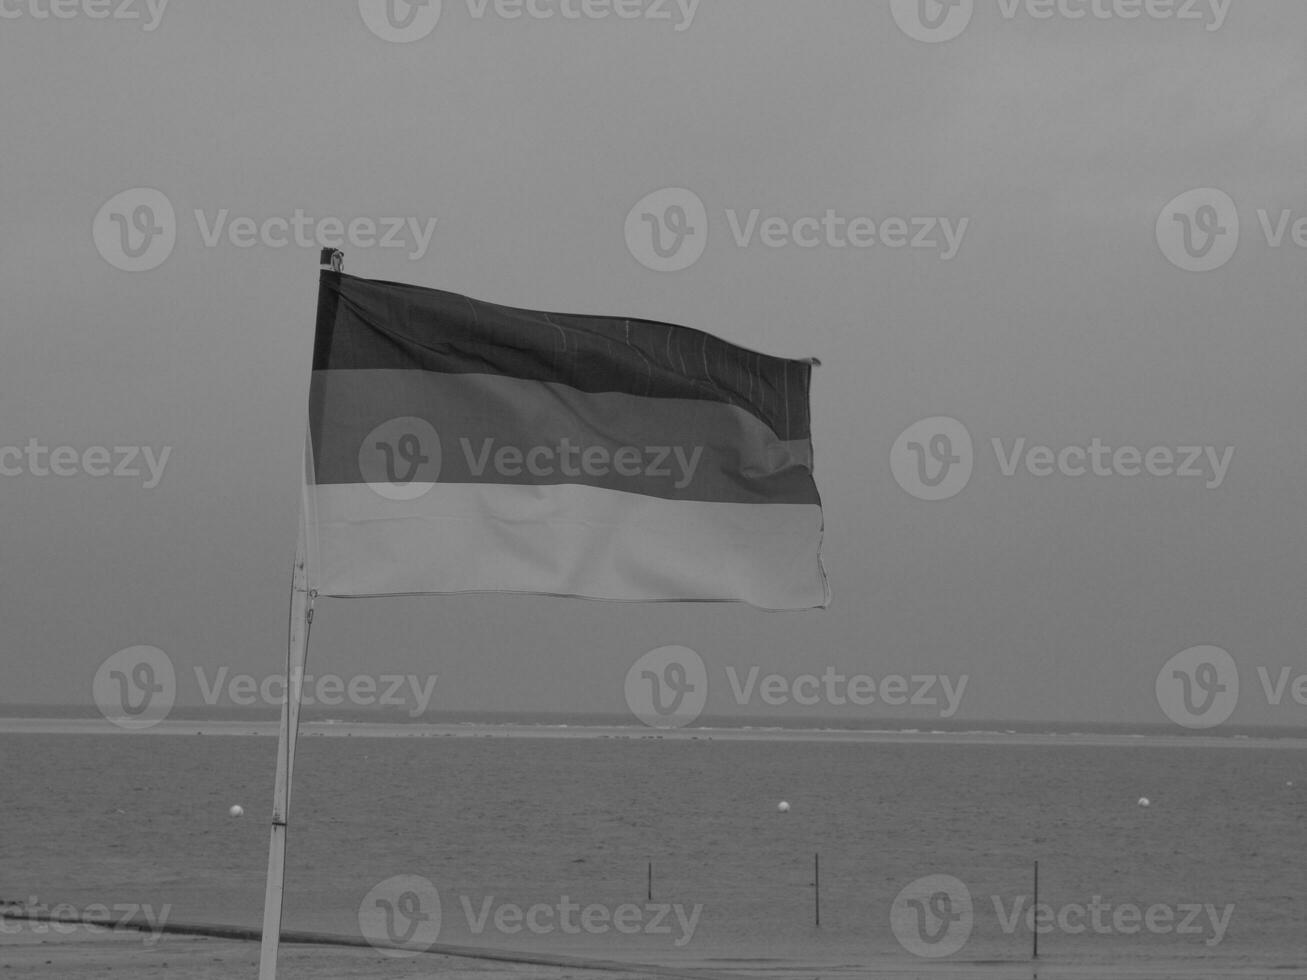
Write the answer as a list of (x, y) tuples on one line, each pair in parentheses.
[(1034, 933), (816, 889)]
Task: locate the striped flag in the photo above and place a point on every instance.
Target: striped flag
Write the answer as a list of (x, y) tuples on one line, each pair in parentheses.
[(461, 446)]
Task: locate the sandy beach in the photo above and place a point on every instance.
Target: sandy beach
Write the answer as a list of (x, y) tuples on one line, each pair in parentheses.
[(82, 955)]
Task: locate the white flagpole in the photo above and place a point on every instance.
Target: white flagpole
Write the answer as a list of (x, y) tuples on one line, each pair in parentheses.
[(301, 615), (301, 618)]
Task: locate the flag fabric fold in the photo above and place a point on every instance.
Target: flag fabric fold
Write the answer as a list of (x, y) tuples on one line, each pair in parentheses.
[(461, 446)]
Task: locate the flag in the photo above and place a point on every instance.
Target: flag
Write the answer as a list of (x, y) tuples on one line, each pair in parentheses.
[(460, 446)]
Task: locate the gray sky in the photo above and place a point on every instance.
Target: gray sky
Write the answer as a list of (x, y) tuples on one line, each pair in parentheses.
[(1059, 319)]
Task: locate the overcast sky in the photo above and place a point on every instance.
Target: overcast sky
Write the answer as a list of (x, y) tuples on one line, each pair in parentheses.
[(1030, 157)]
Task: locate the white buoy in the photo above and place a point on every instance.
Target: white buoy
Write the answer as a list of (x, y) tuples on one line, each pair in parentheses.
[(1143, 801), (783, 807), (237, 811)]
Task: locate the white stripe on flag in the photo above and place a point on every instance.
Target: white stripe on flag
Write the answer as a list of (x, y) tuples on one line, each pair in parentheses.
[(564, 540)]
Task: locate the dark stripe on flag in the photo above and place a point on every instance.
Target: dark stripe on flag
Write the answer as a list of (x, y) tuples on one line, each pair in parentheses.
[(388, 427), (376, 325)]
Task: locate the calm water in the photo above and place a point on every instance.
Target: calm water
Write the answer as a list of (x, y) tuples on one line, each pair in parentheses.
[(526, 821)]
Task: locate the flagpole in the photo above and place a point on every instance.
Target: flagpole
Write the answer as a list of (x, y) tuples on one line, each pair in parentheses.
[(301, 619)]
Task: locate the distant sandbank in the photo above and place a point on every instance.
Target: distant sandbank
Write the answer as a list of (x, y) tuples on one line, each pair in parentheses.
[(354, 729)]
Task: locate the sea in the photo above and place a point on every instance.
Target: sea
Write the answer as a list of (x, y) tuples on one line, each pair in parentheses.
[(895, 851)]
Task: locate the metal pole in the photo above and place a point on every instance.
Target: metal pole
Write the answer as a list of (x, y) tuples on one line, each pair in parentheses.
[(301, 615), (301, 620)]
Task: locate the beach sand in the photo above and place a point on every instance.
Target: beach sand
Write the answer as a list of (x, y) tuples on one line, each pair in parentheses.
[(82, 956)]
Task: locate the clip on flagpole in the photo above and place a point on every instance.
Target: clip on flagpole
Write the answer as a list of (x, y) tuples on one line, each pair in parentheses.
[(301, 620)]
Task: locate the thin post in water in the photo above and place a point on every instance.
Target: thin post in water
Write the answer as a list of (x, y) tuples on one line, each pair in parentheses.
[(816, 889), (1034, 932)]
